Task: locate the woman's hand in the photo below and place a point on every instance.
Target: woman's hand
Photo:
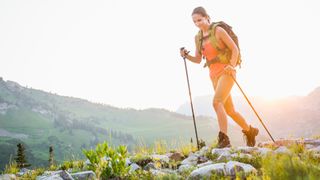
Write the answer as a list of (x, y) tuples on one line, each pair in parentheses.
[(229, 69), (183, 52)]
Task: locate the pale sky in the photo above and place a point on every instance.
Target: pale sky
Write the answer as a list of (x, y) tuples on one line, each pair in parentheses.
[(126, 53)]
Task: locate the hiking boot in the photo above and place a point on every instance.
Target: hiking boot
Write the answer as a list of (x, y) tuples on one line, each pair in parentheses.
[(223, 140), (250, 136)]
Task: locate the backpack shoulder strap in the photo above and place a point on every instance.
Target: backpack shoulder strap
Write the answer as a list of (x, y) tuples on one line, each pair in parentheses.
[(198, 40), (212, 37), (213, 40)]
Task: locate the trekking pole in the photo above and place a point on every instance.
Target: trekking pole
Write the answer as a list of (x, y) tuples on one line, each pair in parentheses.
[(253, 108), (194, 120)]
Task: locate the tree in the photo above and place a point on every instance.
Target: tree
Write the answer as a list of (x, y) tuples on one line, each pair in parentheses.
[(50, 156), (21, 157)]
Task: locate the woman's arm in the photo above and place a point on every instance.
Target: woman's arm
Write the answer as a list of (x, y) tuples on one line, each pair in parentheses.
[(222, 35)]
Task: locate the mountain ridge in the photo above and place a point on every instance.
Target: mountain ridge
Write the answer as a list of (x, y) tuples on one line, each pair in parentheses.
[(297, 116)]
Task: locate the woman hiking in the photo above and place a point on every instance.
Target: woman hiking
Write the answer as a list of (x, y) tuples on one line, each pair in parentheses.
[(221, 73)]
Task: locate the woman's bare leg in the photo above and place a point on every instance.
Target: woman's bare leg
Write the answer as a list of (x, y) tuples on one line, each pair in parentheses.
[(236, 116), (223, 86)]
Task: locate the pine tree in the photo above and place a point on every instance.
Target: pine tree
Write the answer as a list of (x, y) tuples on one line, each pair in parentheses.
[(21, 157), (50, 156)]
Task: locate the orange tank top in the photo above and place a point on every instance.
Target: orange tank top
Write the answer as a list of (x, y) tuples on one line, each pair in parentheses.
[(209, 52)]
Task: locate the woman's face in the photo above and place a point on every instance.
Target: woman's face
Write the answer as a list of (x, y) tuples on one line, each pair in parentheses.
[(199, 20)]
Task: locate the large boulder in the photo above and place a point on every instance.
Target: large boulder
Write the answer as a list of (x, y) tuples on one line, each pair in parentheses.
[(221, 151), (191, 160), (232, 167), (85, 175), (206, 171), (185, 167)]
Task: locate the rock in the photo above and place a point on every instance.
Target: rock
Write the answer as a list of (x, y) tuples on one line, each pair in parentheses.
[(105, 158), (50, 173), (206, 171), (168, 171), (221, 151), (315, 150), (288, 142), (162, 158), (134, 167), (241, 155), (202, 159), (128, 162), (176, 156), (308, 146), (205, 164), (245, 149), (85, 175), (266, 144), (65, 175), (223, 157), (144, 161), (316, 156), (224, 154), (191, 160), (263, 151), (149, 166), (314, 142), (8, 177), (185, 167), (234, 166), (87, 162), (3, 108), (23, 171), (157, 172), (202, 151), (282, 150), (284, 142), (53, 177)]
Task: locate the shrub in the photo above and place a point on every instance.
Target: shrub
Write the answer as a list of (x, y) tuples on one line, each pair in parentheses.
[(107, 162)]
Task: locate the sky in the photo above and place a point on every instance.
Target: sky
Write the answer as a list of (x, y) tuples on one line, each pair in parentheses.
[(126, 53)]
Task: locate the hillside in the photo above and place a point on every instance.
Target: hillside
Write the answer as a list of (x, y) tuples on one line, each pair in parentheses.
[(40, 119)]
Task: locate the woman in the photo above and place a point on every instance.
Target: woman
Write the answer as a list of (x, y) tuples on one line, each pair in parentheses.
[(221, 73)]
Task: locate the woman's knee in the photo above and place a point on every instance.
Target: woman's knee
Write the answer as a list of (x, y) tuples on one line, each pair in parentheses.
[(216, 103)]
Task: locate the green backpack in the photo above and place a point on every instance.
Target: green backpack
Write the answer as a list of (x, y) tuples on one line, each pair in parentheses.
[(224, 55)]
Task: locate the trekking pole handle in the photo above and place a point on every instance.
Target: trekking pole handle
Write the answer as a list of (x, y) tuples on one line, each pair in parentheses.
[(186, 52)]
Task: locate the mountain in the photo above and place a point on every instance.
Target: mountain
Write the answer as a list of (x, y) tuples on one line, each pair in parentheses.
[(39, 119), (293, 116)]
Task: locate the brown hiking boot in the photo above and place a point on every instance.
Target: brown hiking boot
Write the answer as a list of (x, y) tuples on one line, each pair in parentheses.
[(223, 140), (250, 136)]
